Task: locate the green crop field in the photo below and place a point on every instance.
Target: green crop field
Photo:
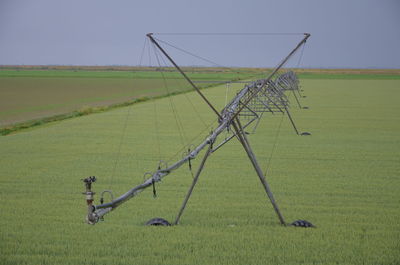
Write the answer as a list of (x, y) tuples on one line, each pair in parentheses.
[(344, 178), (34, 94)]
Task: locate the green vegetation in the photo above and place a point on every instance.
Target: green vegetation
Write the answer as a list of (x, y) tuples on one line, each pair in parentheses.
[(32, 96), (37, 96), (344, 179), (83, 111), (155, 74)]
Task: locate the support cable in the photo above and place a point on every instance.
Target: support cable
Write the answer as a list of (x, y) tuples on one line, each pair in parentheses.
[(232, 70), (183, 74), (125, 124), (274, 146), (280, 123), (201, 133), (177, 116), (120, 145), (174, 111), (192, 54), (187, 98), (143, 51), (230, 33), (301, 55), (228, 85), (157, 133), (149, 53)]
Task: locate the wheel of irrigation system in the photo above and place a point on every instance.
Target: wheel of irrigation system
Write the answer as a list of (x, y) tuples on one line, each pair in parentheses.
[(158, 222), (302, 223)]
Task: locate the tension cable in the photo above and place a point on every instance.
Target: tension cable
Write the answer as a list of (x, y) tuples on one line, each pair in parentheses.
[(280, 122), (174, 111)]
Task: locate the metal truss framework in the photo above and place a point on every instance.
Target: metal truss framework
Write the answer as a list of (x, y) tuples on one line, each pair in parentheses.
[(247, 107)]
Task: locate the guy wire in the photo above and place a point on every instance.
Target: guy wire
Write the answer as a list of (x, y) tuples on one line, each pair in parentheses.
[(170, 100), (143, 50), (231, 33), (120, 144), (280, 123)]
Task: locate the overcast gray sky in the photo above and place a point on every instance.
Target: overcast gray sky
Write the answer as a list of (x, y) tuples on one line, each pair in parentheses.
[(345, 33)]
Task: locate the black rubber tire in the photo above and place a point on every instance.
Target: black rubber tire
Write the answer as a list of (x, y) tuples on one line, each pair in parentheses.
[(158, 222), (305, 133), (302, 223)]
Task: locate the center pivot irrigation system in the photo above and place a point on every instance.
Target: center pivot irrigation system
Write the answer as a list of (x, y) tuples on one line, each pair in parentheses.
[(248, 106)]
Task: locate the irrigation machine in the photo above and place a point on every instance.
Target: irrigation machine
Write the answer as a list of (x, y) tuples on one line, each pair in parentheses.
[(269, 94)]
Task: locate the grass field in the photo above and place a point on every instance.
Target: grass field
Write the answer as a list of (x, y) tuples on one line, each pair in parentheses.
[(32, 95), (345, 179), (35, 94)]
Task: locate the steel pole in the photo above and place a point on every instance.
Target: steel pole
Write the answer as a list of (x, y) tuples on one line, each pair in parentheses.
[(246, 145), (298, 102), (207, 154), (149, 35), (291, 120)]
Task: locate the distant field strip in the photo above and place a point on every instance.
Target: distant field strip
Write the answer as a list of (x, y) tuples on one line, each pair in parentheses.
[(31, 95), (28, 95)]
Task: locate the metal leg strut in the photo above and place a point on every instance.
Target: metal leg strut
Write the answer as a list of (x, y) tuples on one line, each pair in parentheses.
[(291, 121), (246, 145), (298, 102), (196, 177)]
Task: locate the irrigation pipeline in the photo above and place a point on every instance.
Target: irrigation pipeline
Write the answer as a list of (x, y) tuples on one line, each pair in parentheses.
[(226, 119)]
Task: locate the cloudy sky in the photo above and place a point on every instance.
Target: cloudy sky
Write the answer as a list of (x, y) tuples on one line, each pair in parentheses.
[(345, 33)]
